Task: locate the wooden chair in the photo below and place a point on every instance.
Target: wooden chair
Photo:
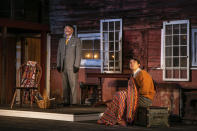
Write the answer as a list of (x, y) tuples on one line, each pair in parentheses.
[(85, 93), (29, 75)]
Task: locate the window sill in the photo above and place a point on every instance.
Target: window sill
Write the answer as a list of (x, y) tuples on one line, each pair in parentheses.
[(89, 67), (193, 68)]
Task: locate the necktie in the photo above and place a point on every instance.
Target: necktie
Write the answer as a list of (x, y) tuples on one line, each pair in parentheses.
[(67, 39)]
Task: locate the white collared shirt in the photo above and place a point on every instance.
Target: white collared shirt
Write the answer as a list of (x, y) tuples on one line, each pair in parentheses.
[(136, 72)]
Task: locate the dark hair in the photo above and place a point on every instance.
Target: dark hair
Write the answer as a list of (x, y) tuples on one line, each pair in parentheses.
[(136, 59), (69, 26)]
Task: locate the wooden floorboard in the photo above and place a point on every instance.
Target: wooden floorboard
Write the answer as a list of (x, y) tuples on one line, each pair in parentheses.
[(77, 109), (70, 113)]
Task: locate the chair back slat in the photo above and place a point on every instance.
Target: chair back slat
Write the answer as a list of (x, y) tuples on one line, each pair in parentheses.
[(30, 74)]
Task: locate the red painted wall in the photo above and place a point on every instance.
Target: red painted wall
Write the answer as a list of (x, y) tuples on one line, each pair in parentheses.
[(142, 24)]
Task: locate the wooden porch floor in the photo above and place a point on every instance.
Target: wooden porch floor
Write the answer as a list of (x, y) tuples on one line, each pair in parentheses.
[(70, 113)]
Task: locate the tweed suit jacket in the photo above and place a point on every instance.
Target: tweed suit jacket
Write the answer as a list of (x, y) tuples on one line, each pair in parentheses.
[(69, 54)]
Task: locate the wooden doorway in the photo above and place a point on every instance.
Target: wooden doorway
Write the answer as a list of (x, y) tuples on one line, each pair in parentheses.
[(27, 49), (32, 49)]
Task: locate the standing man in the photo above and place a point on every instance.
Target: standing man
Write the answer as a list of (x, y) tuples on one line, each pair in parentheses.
[(68, 63)]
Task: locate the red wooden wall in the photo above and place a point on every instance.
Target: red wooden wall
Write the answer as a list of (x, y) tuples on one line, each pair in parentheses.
[(142, 24)]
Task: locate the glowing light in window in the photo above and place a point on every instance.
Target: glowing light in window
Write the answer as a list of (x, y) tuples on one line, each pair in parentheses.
[(95, 56), (87, 55)]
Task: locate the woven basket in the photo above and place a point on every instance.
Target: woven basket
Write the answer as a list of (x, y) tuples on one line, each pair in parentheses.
[(44, 104)]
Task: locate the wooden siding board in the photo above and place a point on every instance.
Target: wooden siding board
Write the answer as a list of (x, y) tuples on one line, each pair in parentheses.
[(23, 25), (3, 69), (140, 8), (56, 85), (43, 53), (1, 65), (153, 64), (154, 52), (10, 68), (76, 12)]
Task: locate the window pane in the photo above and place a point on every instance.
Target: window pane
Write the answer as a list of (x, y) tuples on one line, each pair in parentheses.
[(168, 29), (168, 62), (105, 57), (117, 25), (176, 29), (117, 46), (111, 55), (111, 26), (87, 44), (105, 67), (105, 26), (117, 66), (176, 40), (183, 73), (168, 40), (175, 51), (183, 51), (111, 36), (97, 44), (168, 73), (168, 51), (117, 56), (111, 66), (175, 73), (105, 36), (117, 36), (175, 62), (183, 62), (105, 46), (183, 39), (183, 28), (87, 54), (96, 54), (111, 46)]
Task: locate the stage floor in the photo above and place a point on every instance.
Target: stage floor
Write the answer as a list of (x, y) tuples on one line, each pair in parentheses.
[(69, 113)]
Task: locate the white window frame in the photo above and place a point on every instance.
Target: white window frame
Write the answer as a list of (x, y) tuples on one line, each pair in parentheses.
[(163, 50), (102, 47), (90, 63), (194, 47)]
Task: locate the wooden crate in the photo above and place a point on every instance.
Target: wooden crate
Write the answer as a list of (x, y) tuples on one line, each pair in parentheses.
[(152, 116)]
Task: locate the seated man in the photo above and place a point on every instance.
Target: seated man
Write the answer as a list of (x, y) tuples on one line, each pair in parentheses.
[(140, 92)]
